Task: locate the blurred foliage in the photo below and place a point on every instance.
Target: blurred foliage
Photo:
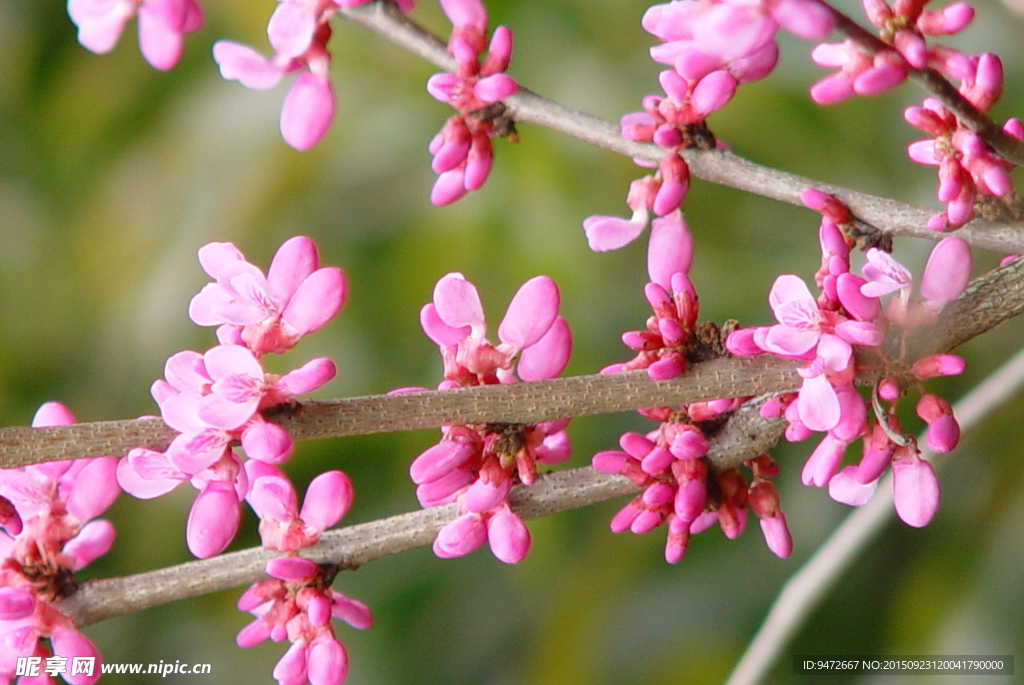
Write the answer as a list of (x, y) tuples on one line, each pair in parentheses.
[(113, 174)]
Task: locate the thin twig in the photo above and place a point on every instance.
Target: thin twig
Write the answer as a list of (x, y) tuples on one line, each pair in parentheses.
[(932, 81), (808, 586), (744, 438), (717, 166), (989, 300)]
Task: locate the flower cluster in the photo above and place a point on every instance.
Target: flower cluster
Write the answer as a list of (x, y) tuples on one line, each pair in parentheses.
[(679, 486), (477, 466), (713, 46), (905, 27), (49, 512), (822, 332), (968, 166), (297, 602), (462, 149), (162, 26), (299, 31), (215, 399)]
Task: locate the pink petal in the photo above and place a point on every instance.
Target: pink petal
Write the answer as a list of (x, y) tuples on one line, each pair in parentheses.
[(267, 442), (94, 490), (495, 87), (308, 377), (327, 500), (818, 404), (326, 661), (460, 537), (947, 272), (846, 489), (69, 643), (146, 474), (777, 536), (293, 263), (483, 496), (213, 519), (308, 111), (160, 36), (317, 300), (805, 19), (243, 64), (291, 28), (915, 491), (457, 303), (440, 332), (669, 249), (52, 414), (93, 541), (291, 668), (273, 497), (713, 92), (611, 232), (16, 603), (530, 313), (449, 187), (508, 536), (548, 356), (439, 459), (788, 341), (292, 569)]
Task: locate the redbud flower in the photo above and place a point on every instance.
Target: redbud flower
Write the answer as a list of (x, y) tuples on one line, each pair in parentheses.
[(462, 150), (477, 466), (162, 25), (269, 313), (47, 511)]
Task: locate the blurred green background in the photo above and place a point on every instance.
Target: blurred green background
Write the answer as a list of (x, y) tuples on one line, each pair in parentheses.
[(113, 174)]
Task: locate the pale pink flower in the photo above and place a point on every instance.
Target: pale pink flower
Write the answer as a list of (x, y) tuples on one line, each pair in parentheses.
[(272, 312), (162, 25), (282, 526)]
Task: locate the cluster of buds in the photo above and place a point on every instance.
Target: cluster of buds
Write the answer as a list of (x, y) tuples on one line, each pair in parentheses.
[(712, 47), (822, 332), (968, 166), (162, 26), (462, 149), (215, 399), (672, 329), (299, 31), (476, 466), (669, 463), (905, 27), (48, 531), (297, 602), (680, 488)]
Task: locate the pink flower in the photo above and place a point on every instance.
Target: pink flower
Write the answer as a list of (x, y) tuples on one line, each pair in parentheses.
[(270, 313), (299, 32), (462, 149), (162, 25), (297, 604), (282, 526)]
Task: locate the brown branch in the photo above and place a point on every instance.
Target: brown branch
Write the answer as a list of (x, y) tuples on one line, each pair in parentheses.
[(932, 81), (724, 168), (989, 301), (357, 545)]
